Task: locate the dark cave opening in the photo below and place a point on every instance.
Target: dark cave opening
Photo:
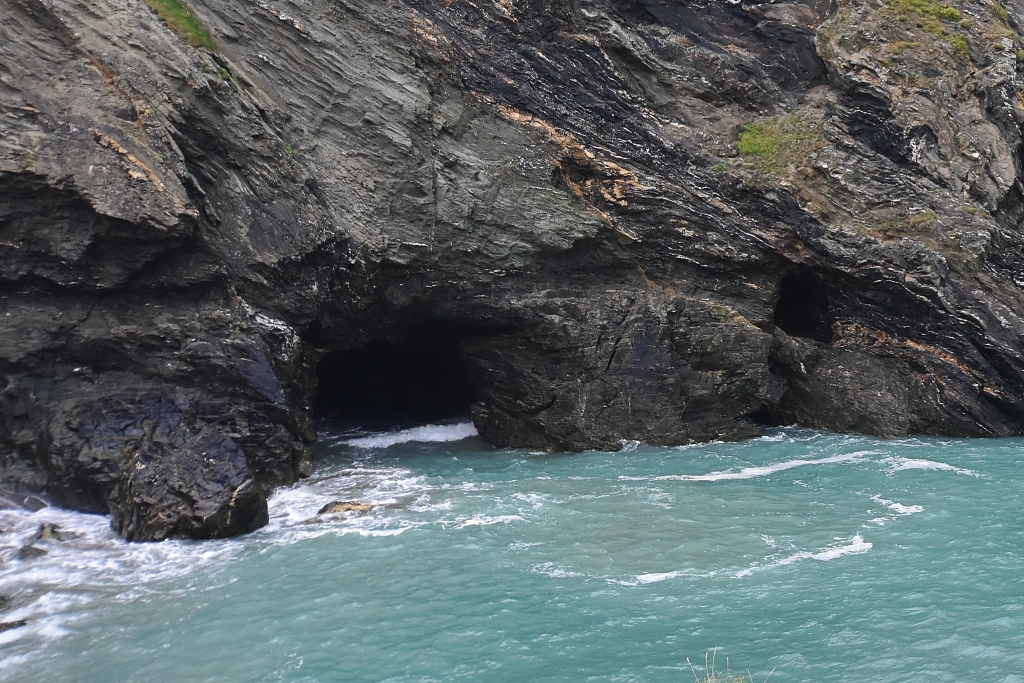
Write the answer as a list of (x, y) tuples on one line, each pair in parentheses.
[(417, 380), (802, 309)]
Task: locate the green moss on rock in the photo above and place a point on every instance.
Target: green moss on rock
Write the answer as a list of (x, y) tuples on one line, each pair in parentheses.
[(779, 142), (179, 17)]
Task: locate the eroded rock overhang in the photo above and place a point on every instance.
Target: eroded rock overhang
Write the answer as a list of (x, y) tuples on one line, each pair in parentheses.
[(545, 201)]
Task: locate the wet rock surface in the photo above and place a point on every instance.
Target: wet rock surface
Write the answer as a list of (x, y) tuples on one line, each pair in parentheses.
[(11, 499), (52, 532), (29, 552), (344, 506), (560, 191), (8, 625)]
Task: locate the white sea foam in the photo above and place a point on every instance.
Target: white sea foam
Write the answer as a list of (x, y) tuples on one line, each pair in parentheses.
[(424, 434), (555, 572), (484, 520), (95, 556), (750, 472), (378, 487), (535, 500), (399, 498), (54, 590), (657, 576), (377, 532), (468, 486), (775, 438), (523, 545), (901, 464), (898, 508), (854, 546)]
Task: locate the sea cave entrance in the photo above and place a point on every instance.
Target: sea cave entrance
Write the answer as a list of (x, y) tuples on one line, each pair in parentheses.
[(417, 380), (803, 309)]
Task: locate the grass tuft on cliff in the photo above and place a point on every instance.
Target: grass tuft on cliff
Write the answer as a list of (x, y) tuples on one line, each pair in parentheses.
[(959, 44), (179, 17), (930, 14), (759, 139), (928, 8), (1000, 12), (777, 143)]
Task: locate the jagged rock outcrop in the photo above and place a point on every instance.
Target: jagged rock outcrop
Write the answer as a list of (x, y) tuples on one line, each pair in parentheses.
[(565, 189)]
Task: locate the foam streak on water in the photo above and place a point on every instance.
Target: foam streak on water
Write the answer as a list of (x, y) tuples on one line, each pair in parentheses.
[(832, 558), (749, 472), (424, 434)]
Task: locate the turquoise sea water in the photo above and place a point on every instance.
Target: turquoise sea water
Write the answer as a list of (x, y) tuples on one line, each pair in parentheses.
[(828, 558)]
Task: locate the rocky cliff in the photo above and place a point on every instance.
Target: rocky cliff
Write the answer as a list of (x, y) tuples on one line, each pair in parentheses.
[(663, 220)]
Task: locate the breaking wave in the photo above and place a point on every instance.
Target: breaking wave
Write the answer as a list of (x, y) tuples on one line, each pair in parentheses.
[(902, 464), (750, 472), (426, 434), (854, 546)]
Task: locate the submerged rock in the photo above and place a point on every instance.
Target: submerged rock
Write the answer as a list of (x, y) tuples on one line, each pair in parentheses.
[(20, 500), (583, 223), (53, 532), (8, 625), (30, 552), (344, 506)]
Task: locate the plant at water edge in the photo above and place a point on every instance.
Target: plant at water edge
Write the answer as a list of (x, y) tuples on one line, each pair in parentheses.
[(179, 17), (712, 676)]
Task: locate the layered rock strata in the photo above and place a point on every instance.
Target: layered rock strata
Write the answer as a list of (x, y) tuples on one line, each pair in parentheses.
[(661, 220)]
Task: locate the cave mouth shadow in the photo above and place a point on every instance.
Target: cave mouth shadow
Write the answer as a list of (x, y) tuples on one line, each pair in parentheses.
[(384, 385), (803, 309)]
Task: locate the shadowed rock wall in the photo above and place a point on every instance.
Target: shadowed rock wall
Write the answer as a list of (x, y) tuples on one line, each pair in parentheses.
[(185, 233)]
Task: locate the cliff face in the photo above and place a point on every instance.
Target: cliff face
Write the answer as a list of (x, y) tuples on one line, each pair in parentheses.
[(565, 191)]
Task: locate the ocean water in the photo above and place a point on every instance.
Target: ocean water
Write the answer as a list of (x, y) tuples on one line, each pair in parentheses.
[(823, 557)]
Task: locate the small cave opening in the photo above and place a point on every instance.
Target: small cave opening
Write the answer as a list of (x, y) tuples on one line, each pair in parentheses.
[(803, 308), (417, 380)]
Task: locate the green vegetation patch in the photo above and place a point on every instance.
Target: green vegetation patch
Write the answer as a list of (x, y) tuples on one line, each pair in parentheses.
[(931, 14), (927, 8), (179, 17), (921, 218), (901, 45), (975, 211), (779, 142), (759, 139), (959, 43), (1000, 12)]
